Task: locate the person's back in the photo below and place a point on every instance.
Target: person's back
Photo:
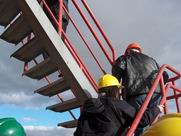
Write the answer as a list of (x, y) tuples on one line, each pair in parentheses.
[(110, 117), (137, 74), (104, 117)]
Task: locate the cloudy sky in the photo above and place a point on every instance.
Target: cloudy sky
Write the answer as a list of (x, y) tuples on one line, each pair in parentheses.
[(155, 24)]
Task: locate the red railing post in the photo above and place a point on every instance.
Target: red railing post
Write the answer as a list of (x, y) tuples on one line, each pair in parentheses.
[(164, 98), (176, 99), (60, 17)]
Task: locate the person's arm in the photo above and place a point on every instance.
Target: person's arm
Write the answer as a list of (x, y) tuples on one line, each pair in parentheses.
[(126, 111), (129, 113), (118, 68), (93, 105), (165, 77), (165, 74), (150, 115)]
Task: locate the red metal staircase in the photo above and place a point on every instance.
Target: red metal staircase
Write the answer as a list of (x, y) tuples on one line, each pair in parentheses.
[(26, 24)]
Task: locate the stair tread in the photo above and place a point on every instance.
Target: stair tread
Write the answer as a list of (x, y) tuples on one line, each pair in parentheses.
[(65, 106), (69, 124), (54, 88), (17, 31), (13, 10), (42, 69), (28, 51)]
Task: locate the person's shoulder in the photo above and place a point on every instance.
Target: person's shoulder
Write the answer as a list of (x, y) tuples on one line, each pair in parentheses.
[(125, 107), (146, 56), (121, 102), (120, 59), (117, 103), (93, 105), (92, 101)]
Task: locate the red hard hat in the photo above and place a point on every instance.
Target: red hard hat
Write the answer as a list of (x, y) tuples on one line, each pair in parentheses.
[(133, 46)]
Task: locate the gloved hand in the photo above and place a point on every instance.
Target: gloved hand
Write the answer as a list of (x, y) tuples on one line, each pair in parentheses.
[(161, 107)]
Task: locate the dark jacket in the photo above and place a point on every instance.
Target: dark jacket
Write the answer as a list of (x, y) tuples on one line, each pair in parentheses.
[(105, 116), (54, 7), (137, 72), (53, 2)]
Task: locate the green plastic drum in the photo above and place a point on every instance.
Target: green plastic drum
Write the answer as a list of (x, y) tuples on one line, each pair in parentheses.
[(10, 127)]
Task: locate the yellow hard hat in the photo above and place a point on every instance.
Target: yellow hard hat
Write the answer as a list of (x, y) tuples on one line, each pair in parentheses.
[(108, 80), (167, 125)]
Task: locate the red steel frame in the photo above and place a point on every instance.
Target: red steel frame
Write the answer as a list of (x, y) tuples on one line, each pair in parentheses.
[(164, 91)]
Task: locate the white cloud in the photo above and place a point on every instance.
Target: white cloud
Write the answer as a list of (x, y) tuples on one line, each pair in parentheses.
[(47, 131), (25, 100), (15, 98), (29, 119)]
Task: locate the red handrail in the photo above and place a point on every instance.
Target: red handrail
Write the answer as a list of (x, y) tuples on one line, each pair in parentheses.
[(159, 79), (87, 72), (92, 31), (164, 98), (100, 29), (70, 47), (176, 98), (60, 17), (82, 37)]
